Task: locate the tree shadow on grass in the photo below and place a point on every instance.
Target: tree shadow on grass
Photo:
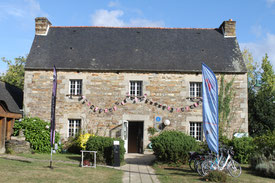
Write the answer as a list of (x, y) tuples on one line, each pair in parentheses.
[(182, 172), (76, 158), (248, 170), (20, 160)]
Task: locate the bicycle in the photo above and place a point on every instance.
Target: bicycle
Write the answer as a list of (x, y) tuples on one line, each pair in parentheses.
[(221, 163), (196, 159)]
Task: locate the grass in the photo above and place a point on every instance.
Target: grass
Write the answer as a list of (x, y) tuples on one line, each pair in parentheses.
[(56, 157), (38, 171), (184, 174)]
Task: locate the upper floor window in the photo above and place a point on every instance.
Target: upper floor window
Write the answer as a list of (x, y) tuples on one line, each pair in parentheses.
[(195, 89), (75, 87), (74, 127), (196, 130), (136, 88)]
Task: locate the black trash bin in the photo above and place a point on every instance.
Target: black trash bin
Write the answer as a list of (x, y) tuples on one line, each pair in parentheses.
[(116, 154)]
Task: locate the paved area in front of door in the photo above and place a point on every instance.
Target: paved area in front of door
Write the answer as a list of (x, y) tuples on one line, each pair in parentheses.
[(138, 169)]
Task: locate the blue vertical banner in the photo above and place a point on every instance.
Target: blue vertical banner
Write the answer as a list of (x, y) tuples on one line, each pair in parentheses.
[(210, 108), (53, 107)]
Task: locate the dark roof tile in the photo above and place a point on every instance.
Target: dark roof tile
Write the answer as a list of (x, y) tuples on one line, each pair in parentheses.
[(135, 49), (12, 96)]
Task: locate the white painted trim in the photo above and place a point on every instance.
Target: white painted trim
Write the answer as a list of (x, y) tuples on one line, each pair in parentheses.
[(48, 27)]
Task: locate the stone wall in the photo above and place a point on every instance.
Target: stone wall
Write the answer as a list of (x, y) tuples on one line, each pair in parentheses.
[(104, 89)]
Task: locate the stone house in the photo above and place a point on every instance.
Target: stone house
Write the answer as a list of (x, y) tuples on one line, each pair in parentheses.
[(11, 102), (119, 81)]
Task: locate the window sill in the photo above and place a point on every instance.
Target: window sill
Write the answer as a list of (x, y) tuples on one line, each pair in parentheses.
[(73, 96)]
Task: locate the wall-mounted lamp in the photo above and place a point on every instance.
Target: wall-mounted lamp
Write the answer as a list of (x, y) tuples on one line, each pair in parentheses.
[(167, 122)]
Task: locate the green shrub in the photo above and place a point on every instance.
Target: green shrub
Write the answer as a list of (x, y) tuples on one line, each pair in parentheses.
[(256, 159), (263, 160), (266, 169), (265, 144), (37, 132), (72, 145), (104, 148), (243, 149), (216, 176), (223, 140), (173, 146), (151, 130)]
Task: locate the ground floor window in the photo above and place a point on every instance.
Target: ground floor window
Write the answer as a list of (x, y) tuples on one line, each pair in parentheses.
[(74, 127), (196, 130)]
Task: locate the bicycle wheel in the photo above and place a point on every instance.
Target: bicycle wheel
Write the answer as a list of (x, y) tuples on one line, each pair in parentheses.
[(206, 167), (192, 164), (198, 167), (234, 168)]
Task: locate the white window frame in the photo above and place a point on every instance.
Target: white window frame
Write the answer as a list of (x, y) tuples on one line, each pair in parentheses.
[(198, 130), (75, 129), (74, 91), (136, 85), (197, 89)]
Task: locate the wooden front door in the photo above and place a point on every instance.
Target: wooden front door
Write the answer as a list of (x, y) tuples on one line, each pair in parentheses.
[(2, 132), (135, 137)]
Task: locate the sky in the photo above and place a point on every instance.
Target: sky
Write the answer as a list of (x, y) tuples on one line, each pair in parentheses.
[(255, 19)]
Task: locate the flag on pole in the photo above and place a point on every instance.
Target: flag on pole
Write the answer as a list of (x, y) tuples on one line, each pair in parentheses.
[(210, 108), (53, 107)]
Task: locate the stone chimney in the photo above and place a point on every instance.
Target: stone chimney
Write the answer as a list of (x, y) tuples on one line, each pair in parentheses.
[(228, 28), (42, 25)]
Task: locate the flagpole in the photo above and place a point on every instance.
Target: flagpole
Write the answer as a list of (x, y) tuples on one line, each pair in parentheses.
[(51, 162), (53, 104)]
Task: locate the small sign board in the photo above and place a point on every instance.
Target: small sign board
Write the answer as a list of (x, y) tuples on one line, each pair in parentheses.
[(116, 142), (240, 135), (158, 119)]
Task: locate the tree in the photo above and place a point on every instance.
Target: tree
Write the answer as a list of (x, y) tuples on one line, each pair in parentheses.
[(261, 102), (15, 72)]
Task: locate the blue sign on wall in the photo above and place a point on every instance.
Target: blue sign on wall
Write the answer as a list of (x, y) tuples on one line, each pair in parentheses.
[(158, 119)]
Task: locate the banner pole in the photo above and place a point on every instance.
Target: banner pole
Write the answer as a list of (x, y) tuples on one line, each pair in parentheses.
[(51, 162)]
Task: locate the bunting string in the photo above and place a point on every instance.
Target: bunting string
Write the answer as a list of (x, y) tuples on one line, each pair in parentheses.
[(139, 99)]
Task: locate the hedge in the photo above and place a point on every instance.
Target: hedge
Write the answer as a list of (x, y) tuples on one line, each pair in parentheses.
[(104, 148), (173, 146)]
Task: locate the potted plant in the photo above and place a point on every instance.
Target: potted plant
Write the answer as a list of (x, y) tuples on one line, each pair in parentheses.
[(86, 162), (151, 130)]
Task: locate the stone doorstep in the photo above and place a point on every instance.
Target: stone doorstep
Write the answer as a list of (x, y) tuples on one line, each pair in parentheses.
[(18, 138)]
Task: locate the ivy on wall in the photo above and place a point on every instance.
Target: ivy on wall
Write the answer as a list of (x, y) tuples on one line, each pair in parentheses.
[(226, 96)]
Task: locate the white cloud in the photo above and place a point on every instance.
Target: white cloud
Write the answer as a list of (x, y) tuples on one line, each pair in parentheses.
[(107, 18), (22, 10), (114, 18), (258, 49), (270, 1)]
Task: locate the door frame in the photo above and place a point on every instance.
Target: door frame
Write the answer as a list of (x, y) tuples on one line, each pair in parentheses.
[(125, 132)]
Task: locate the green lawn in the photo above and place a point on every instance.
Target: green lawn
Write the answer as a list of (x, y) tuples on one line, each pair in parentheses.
[(56, 157), (184, 174), (38, 171)]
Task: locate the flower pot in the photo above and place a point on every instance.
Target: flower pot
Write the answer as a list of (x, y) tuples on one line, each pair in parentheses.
[(86, 163)]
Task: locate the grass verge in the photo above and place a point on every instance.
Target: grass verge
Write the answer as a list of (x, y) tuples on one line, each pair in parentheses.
[(38, 171)]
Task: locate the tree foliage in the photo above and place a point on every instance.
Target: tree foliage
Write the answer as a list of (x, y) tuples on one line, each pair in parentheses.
[(261, 101), (15, 72)]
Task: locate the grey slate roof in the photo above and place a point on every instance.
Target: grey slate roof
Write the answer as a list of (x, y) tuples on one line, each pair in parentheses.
[(135, 49), (11, 96)]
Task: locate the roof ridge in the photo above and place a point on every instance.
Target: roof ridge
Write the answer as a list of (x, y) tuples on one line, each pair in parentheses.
[(129, 27)]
